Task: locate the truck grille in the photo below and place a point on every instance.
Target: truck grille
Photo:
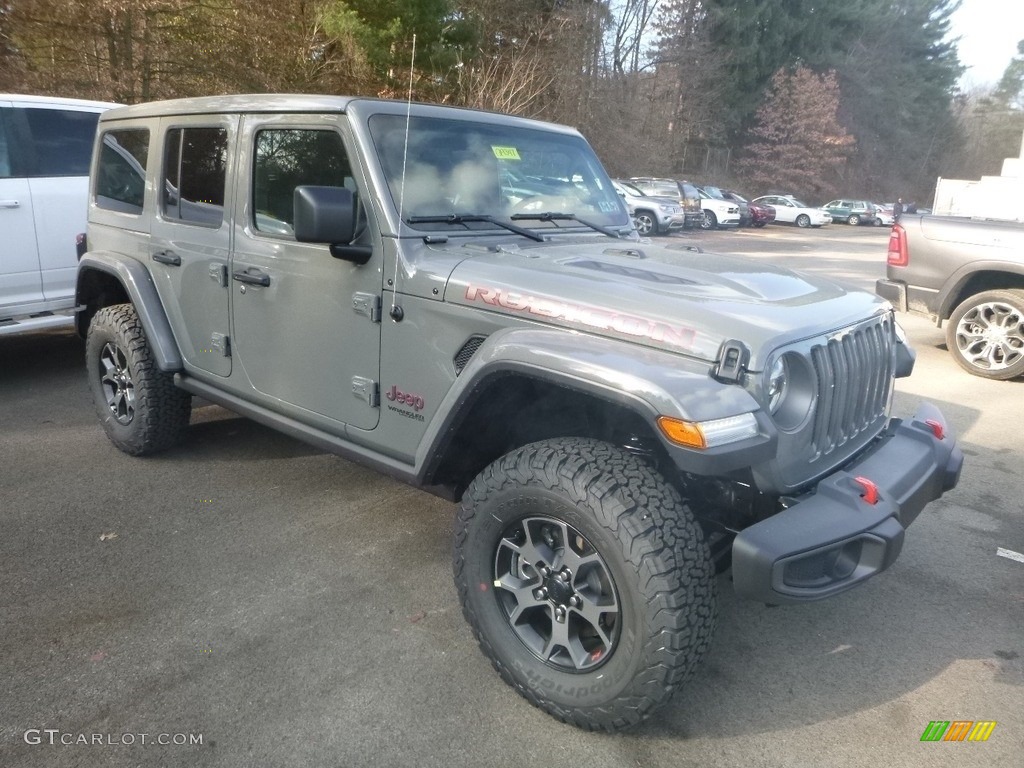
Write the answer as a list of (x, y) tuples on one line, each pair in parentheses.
[(854, 370)]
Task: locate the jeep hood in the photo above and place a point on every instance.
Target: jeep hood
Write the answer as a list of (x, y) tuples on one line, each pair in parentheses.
[(666, 297)]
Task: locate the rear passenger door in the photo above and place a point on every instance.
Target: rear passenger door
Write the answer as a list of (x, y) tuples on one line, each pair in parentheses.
[(191, 235), (20, 284)]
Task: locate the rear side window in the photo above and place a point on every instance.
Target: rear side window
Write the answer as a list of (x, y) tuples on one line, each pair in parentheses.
[(286, 159), (49, 142), (121, 173), (689, 190), (5, 163), (195, 172)]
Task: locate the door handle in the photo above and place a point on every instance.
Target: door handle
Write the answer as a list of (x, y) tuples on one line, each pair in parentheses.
[(167, 257), (252, 276), (9, 204)]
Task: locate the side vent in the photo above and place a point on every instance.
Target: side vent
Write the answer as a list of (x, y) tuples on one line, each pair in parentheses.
[(464, 355)]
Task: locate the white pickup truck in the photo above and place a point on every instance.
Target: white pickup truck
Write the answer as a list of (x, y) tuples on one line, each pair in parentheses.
[(45, 150)]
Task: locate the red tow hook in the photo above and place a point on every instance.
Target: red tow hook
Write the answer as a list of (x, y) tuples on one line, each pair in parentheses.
[(870, 494), (938, 429)]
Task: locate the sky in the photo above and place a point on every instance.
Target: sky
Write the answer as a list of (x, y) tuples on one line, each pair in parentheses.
[(990, 30)]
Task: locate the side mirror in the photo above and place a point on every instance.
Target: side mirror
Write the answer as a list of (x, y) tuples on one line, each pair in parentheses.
[(328, 215)]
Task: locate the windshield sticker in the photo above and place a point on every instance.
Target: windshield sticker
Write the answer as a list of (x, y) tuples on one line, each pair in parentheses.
[(506, 153)]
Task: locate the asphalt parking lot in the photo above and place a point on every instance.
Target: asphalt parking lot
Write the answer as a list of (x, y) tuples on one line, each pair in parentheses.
[(289, 608)]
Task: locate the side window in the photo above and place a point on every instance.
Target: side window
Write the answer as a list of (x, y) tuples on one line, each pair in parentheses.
[(59, 141), (286, 159), (121, 173), (5, 162), (195, 173)]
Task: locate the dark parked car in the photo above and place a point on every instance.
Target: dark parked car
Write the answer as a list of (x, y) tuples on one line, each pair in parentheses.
[(760, 213), (687, 194), (853, 212)]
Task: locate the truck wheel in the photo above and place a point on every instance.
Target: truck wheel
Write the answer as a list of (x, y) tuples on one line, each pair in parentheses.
[(985, 334), (140, 408), (803, 221), (710, 221), (646, 224), (585, 579)]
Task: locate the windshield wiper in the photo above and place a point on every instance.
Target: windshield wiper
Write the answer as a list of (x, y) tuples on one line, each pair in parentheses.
[(565, 217), (466, 218)]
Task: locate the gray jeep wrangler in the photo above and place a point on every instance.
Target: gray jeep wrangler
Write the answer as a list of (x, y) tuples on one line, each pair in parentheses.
[(459, 299)]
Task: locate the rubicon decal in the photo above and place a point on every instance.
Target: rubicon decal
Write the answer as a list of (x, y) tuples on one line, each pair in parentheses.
[(396, 395), (591, 317)]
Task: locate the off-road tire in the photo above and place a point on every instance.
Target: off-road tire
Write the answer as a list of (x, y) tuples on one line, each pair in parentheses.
[(653, 550), (156, 414), (985, 334)]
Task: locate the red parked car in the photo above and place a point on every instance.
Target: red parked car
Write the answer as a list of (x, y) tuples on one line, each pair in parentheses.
[(760, 213)]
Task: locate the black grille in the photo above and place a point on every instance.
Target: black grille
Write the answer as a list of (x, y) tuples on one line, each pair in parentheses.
[(463, 356), (854, 372)]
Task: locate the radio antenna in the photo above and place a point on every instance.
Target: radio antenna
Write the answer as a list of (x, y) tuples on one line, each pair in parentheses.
[(396, 311)]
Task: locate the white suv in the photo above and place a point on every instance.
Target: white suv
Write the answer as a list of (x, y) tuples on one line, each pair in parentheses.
[(718, 212), (45, 150)]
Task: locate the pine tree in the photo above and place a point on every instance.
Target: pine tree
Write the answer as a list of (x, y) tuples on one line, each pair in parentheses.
[(798, 142)]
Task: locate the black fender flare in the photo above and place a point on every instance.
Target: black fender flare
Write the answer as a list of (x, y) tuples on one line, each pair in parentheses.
[(138, 284)]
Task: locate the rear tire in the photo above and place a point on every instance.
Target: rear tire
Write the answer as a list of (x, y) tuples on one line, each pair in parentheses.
[(140, 409), (985, 334), (620, 558), (854, 220)]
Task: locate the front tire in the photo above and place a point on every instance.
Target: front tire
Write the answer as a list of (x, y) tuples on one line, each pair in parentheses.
[(710, 221), (803, 221), (140, 409), (585, 579), (985, 334), (646, 224)]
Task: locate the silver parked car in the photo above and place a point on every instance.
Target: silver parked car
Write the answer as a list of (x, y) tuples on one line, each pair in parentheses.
[(653, 215)]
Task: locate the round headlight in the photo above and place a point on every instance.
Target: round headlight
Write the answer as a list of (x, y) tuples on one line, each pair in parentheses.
[(776, 385), (789, 388)]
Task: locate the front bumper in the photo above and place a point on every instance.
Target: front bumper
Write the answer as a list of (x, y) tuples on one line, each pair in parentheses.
[(834, 538)]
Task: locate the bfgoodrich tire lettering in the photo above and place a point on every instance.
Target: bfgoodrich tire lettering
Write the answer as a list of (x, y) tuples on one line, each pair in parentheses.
[(650, 563), (140, 408)]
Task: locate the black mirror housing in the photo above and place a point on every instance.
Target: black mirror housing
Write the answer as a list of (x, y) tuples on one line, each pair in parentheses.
[(324, 215), (329, 215)]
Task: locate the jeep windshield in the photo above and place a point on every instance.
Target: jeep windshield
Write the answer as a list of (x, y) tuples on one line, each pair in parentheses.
[(477, 175)]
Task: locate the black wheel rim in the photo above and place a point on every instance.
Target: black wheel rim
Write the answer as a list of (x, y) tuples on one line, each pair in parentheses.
[(990, 336), (557, 594), (116, 382)]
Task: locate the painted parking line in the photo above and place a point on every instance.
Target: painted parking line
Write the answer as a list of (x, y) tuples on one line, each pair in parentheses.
[(1009, 554)]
